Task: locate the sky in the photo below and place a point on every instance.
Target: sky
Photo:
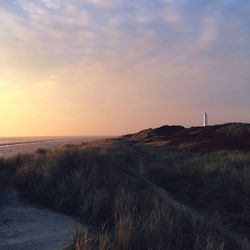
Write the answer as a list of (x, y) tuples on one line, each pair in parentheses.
[(111, 67)]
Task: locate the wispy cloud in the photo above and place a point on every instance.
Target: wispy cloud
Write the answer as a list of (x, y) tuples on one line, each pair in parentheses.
[(46, 84)]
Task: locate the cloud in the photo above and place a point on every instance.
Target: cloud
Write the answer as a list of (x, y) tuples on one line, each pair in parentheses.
[(11, 25), (173, 15), (75, 30), (106, 3), (47, 84), (52, 4), (208, 33)]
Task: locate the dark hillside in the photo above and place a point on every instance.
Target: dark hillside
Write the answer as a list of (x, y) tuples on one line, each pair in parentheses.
[(230, 136), (162, 133)]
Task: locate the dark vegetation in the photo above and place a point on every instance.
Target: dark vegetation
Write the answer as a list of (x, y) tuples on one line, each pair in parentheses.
[(100, 183), (7, 170), (215, 183)]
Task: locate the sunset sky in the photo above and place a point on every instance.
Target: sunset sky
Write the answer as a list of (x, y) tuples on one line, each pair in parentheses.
[(108, 67)]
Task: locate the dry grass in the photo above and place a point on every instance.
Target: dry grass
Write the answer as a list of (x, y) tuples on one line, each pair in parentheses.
[(216, 183), (95, 182)]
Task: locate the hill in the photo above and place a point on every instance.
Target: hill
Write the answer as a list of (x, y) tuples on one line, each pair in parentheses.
[(230, 136)]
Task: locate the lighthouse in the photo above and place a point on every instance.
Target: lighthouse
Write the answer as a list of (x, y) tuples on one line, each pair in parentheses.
[(205, 120)]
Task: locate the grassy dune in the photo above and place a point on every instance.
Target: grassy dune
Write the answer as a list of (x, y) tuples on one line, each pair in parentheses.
[(98, 183), (216, 183)]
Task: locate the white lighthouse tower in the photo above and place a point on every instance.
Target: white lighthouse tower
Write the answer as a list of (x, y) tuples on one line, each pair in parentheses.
[(205, 120)]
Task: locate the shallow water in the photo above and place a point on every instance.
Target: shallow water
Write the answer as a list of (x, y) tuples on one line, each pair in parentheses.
[(15, 145)]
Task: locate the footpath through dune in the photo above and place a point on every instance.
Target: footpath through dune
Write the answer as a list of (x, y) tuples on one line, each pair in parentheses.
[(23, 226)]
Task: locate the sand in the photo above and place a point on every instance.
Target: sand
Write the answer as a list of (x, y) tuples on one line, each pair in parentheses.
[(24, 226)]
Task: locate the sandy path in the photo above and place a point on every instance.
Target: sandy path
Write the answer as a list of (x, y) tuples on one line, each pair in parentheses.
[(23, 226)]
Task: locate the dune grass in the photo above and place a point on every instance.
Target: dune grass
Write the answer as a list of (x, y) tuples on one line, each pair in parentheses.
[(234, 129), (96, 183), (216, 183)]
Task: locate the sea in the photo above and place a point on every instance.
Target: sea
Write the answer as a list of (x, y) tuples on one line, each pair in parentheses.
[(10, 146)]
